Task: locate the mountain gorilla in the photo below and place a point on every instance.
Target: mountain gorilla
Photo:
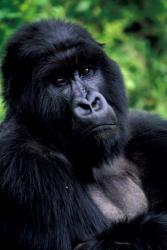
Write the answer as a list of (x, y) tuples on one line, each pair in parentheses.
[(77, 170)]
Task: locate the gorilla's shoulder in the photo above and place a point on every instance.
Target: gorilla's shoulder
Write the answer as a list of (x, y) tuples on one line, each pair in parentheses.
[(147, 138), (16, 139), (142, 123), (17, 142)]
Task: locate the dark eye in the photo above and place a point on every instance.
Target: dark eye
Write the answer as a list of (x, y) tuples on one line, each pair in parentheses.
[(60, 81), (85, 71)]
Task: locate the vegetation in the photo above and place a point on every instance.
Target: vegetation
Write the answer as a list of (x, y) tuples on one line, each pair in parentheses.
[(135, 34)]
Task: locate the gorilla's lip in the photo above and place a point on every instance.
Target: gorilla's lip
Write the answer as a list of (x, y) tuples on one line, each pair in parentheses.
[(98, 128)]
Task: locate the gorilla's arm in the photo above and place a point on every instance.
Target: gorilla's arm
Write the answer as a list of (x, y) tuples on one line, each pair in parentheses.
[(147, 148), (32, 187), (145, 232)]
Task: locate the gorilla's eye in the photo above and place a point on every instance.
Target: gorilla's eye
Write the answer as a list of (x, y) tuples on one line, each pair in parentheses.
[(85, 71), (60, 81)]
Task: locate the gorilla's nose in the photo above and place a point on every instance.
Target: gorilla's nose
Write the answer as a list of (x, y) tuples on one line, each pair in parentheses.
[(93, 105)]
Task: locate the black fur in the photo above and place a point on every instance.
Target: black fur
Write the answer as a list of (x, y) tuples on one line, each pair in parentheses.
[(50, 152)]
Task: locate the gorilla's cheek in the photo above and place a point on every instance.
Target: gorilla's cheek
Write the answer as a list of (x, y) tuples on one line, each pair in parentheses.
[(58, 107)]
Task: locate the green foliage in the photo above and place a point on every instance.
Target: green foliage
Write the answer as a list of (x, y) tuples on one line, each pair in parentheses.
[(135, 34)]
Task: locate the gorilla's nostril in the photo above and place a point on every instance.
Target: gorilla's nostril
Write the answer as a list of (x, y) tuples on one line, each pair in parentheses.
[(96, 104), (84, 106)]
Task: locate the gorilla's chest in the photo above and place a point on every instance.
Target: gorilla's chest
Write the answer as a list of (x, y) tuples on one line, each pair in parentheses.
[(117, 193)]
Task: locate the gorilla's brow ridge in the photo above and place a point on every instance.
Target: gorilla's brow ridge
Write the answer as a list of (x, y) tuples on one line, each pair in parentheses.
[(68, 60)]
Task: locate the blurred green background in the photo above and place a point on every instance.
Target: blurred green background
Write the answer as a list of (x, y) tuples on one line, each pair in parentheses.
[(135, 34)]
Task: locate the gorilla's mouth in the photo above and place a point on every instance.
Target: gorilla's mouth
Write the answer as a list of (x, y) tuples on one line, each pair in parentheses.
[(101, 128)]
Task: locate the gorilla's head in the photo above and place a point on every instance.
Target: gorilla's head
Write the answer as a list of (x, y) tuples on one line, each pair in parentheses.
[(59, 82)]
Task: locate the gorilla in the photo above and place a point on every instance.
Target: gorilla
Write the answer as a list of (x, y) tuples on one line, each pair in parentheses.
[(77, 169)]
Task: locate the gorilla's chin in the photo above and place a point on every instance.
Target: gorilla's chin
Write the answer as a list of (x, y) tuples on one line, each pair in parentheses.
[(95, 146), (101, 132)]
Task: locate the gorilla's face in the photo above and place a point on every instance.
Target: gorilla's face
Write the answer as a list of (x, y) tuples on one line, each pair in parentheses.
[(75, 89), (71, 89)]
